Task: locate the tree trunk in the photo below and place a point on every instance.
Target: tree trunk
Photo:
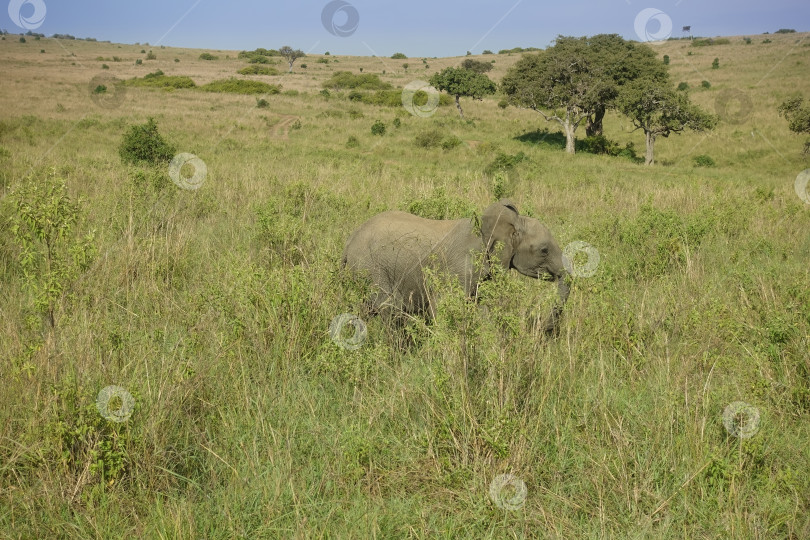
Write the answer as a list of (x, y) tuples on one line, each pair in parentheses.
[(594, 126), (569, 136), (650, 156), (458, 106)]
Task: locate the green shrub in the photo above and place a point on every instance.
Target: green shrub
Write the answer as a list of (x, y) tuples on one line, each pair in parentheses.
[(143, 144), (158, 80), (503, 104), (258, 70), (716, 63), (208, 56), (683, 86), (710, 41), (504, 162), (51, 255), (666, 59), (398, 56), (262, 103), (705, 84), (259, 60), (347, 80), (450, 142), (428, 139), (103, 66), (352, 142), (703, 161), (241, 86), (378, 128), (439, 205), (151, 56), (138, 62), (22, 39), (397, 122), (325, 93)]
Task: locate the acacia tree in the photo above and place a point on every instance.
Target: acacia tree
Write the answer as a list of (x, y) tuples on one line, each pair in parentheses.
[(291, 55), (460, 82), (658, 109), (562, 84), (622, 61), (798, 117)]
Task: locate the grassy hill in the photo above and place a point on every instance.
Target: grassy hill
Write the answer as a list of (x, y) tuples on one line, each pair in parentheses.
[(211, 308)]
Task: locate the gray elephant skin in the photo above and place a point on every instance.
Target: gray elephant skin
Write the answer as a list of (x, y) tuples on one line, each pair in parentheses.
[(393, 249)]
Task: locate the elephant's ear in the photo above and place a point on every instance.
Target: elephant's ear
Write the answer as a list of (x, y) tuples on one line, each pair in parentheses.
[(499, 224)]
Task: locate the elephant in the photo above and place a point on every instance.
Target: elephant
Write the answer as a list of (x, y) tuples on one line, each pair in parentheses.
[(393, 249)]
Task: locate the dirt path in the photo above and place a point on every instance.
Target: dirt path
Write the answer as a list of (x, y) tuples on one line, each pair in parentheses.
[(282, 129)]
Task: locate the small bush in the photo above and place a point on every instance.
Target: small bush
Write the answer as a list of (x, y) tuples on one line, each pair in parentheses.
[(303, 66), (262, 103), (259, 60), (398, 56), (428, 139), (258, 70), (241, 86), (450, 142), (378, 128), (151, 56), (747, 40), (439, 205), (352, 142), (766, 40), (208, 56), (666, 59), (100, 89), (503, 104), (325, 93), (705, 84), (348, 80), (158, 80), (103, 66), (703, 161), (397, 122), (683, 86), (22, 39), (138, 62), (143, 144), (176, 59), (716, 63)]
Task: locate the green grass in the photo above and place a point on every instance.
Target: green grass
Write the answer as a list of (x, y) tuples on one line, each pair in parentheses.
[(158, 79), (212, 308)]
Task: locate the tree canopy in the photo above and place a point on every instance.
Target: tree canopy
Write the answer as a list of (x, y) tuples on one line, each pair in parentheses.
[(291, 55), (564, 83), (798, 117), (659, 109), (460, 82)]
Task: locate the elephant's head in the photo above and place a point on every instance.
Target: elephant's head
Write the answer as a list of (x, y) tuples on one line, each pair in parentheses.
[(528, 245)]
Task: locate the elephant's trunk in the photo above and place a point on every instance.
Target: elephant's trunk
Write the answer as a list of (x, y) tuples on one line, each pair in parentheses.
[(552, 325)]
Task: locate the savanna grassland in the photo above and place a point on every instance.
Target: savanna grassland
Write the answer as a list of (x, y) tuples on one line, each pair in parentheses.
[(212, 308)]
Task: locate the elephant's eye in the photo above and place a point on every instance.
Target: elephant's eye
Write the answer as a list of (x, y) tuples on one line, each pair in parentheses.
[(544, 251)]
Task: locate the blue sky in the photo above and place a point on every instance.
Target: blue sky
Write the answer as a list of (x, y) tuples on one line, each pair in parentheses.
[(382, 27)]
